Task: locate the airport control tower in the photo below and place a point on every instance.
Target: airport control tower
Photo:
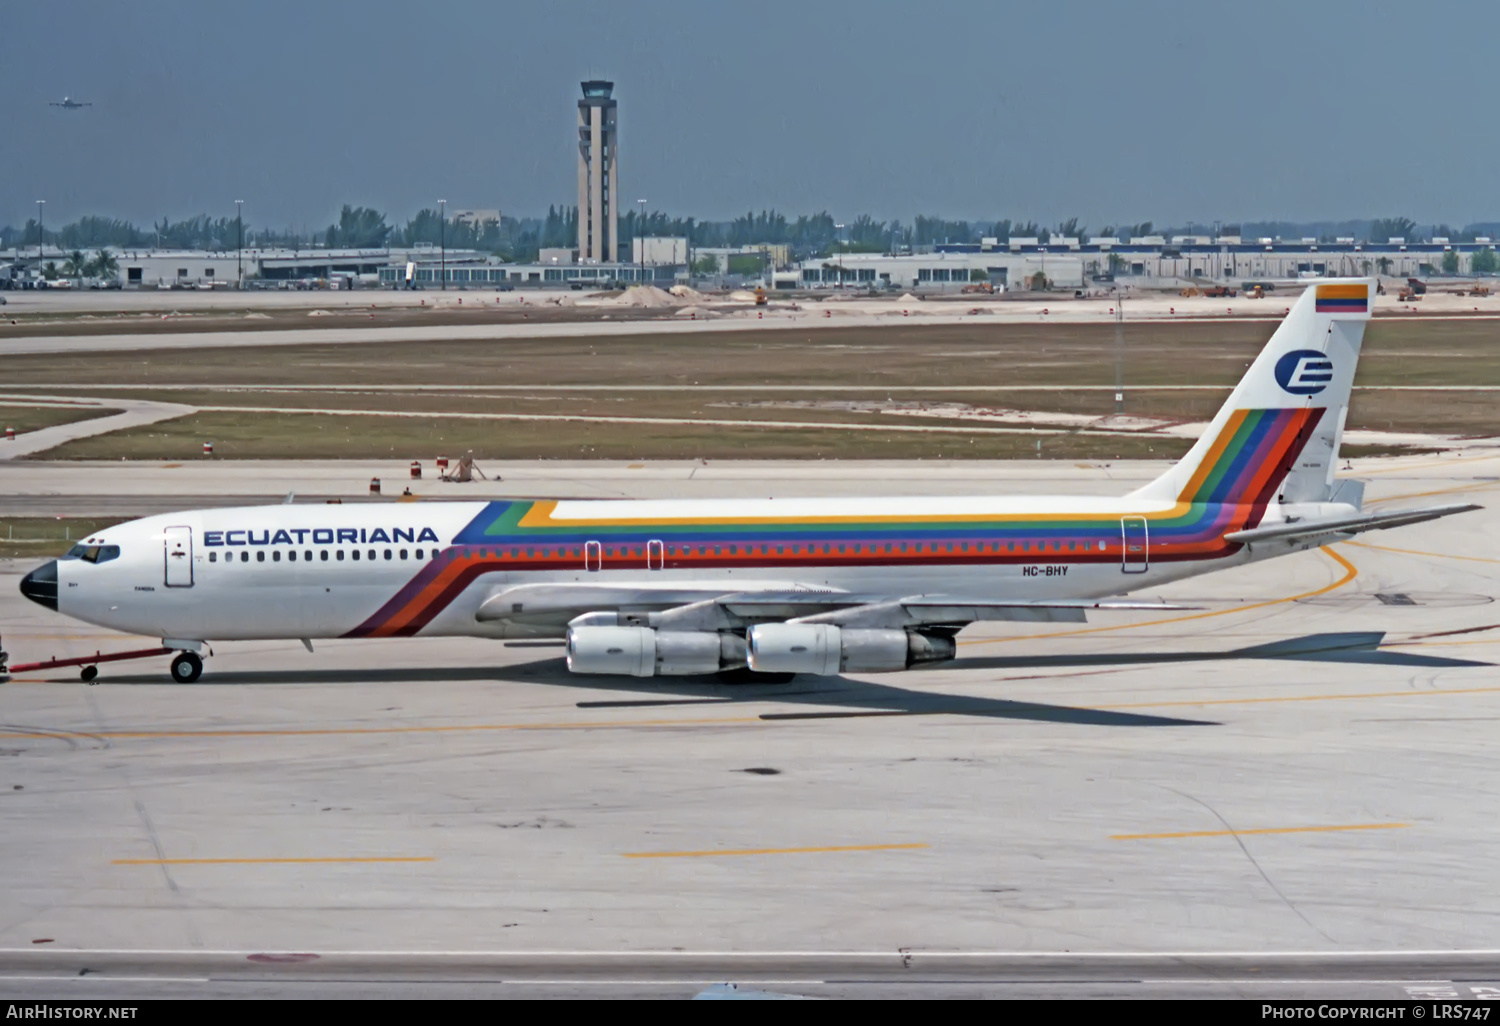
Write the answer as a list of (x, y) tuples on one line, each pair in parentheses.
[(598, 184)]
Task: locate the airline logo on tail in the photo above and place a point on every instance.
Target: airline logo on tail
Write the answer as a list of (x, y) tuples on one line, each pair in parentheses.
[(1304, 371)]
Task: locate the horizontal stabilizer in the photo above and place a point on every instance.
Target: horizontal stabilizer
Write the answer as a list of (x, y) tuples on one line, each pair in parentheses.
[(1302, 530)]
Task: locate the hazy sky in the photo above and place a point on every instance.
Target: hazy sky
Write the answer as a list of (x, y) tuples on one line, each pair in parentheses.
[(1110, 111)]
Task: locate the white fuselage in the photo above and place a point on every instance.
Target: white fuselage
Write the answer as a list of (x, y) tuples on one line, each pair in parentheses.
[(329, 571)]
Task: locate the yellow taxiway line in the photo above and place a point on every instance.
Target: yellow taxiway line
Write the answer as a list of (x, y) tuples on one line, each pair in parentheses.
[(1350, 572), (1415, 552), (769, 851), (1263, 830)]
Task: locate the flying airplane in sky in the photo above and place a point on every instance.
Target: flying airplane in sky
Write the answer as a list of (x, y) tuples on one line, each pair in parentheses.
[(753, 586), (68, 103)]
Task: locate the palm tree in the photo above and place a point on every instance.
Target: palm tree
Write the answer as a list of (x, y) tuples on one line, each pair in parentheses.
[(104, 265), (76, 266), (49, 270)]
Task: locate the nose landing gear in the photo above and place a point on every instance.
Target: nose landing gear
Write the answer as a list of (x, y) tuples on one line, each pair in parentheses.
[(187, 667)]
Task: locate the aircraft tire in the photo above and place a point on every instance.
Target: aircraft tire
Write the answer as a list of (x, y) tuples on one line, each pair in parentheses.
[(186, 668)]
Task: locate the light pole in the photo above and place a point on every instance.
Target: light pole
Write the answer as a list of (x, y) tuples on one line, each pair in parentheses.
[(839, 242), (443, 241), (239, 246), (640, 234), (41, 235)]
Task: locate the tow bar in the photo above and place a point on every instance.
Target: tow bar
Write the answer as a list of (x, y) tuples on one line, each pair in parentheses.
[(90, 664)]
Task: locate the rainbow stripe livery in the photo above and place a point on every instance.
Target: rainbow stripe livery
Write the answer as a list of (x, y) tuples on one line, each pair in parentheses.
[(523, 538)]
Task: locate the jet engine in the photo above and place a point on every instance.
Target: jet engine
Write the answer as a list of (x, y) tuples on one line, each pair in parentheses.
[(826, 649), (645, 652)]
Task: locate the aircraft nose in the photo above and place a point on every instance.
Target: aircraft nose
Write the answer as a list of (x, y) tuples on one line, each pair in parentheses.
[(41, 585)]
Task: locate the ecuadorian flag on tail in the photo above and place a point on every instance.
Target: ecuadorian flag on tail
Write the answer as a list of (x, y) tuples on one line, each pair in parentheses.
[(1345, 299)]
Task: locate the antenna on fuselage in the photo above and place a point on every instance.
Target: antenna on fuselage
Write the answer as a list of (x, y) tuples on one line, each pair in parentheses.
[(290, 497)]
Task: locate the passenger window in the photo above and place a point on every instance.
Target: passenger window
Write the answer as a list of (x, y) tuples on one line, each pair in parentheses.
[(307, 555), (292, 555), (387, 553), (244, 557), (354, 554), (418, 554), (324, 554), (260, 557), (213, 557), (276, 556), (339, 555), (372, 553), (403, 553)]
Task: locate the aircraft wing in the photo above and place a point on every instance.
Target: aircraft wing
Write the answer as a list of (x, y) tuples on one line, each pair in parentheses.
[(955, 610), (533, 601), (1307, 530), (691, 605)]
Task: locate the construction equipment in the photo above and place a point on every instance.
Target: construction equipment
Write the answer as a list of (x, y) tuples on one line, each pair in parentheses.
[(977, 287), (1480, 290), (1418, 288), (1218, 292), (1190, 291), (1409, 294), (760, 296), (1257, 292)]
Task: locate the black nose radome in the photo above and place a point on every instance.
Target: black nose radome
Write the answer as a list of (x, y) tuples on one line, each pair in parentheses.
[(41, 585)]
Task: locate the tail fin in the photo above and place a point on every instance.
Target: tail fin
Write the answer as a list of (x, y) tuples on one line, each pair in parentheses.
[(1278, 435)]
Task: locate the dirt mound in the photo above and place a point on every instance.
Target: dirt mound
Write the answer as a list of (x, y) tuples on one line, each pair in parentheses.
[(688, 293), (648, 296), (741, 296)]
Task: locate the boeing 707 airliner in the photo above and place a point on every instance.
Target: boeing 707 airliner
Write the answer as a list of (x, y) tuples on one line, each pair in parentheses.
[(752, 587)]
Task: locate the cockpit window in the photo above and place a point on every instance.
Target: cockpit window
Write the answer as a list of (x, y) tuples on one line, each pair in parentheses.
[(93, 553)]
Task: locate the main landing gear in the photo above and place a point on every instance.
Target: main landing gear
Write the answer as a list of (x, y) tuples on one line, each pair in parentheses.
[(187, 667)]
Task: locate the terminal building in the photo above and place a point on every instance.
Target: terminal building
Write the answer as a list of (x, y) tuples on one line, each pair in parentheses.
[(1075, 263)]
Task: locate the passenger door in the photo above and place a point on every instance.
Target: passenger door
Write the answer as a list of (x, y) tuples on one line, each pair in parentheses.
[(1136, 552), (178, 556)]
